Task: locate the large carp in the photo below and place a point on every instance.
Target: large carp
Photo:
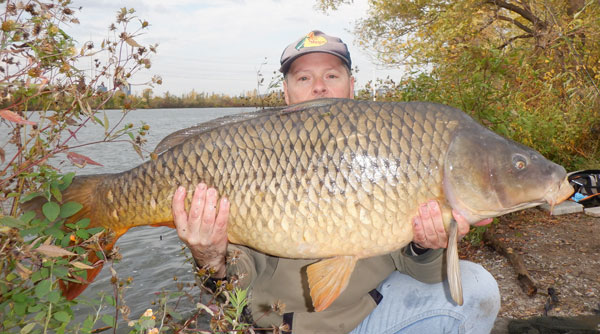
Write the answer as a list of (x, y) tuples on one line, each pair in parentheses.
[(333, 179)]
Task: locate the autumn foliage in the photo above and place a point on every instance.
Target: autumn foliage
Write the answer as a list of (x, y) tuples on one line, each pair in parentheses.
[(527, 69)]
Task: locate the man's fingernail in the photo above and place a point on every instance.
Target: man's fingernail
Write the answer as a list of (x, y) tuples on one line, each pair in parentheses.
[(201, 186), (180, 189)]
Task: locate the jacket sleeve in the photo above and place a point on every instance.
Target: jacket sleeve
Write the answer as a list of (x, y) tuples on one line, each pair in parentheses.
[(427, 267), (243, 263)]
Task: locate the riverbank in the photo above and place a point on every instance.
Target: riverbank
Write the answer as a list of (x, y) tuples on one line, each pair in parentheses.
[(560, 252)]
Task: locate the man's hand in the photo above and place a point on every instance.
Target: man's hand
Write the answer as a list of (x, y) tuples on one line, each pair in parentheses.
[(203, 229), (428, 226)]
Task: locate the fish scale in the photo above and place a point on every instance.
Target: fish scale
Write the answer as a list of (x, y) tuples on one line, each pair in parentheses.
[(334, 179)]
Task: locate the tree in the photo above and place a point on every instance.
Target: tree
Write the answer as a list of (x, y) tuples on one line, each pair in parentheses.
[(528, 69)]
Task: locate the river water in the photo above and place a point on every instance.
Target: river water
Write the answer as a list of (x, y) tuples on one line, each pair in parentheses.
[(152, 256)]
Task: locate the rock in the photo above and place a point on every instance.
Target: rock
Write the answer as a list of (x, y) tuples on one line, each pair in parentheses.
[(563, 208), (501, 326), (555, 325), (594, 212)]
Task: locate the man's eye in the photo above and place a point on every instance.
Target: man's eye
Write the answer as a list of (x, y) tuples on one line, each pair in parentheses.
[(332, 76), (302, 78)]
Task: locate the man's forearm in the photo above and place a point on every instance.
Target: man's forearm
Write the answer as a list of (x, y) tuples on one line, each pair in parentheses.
[(211, 259)]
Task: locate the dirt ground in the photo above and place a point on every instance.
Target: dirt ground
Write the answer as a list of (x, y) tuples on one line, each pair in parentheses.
[(560, 252)]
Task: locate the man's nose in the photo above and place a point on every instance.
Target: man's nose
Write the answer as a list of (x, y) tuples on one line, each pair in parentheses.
[(319, 87)]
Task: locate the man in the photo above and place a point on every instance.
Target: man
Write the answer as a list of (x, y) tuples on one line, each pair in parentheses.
[(402, 292)]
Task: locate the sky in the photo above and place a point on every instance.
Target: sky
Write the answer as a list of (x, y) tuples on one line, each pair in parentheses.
[(219, 46)]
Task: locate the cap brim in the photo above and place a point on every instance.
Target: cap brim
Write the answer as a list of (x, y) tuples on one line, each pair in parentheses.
[(285, 67)]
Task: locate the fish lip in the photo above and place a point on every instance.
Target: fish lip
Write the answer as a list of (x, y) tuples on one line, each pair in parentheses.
[(555, 195), (563, 191)]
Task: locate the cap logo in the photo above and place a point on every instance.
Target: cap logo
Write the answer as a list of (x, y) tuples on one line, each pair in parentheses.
[(311, 40)]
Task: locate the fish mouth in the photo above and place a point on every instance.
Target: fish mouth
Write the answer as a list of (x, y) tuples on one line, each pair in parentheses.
[(555, 195), (563, 191)]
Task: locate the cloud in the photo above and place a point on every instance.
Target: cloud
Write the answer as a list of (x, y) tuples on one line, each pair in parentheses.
[(218, 46)]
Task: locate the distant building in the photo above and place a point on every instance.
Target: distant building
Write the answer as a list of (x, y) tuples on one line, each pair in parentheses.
[(102, 88), (125, 88)]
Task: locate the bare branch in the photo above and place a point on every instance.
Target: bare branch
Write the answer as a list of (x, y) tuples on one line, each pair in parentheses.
[(515, 22), (513, 39), (526, 14)]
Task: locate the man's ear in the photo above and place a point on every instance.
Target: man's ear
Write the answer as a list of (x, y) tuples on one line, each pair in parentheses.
[(285, 92)]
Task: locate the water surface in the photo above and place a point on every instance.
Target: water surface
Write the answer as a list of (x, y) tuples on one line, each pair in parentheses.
[(152, 256)]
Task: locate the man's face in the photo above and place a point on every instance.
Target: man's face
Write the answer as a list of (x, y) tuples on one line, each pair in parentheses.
[(317, 75)]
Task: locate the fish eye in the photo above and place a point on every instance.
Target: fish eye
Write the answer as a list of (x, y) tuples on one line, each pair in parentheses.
[(519, 161)]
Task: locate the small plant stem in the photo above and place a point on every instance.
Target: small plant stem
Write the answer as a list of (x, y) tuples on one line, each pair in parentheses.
[(13, 210), (48, 318), (50, 305)]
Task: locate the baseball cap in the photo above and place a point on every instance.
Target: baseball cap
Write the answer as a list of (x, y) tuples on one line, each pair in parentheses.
[(314, 41)]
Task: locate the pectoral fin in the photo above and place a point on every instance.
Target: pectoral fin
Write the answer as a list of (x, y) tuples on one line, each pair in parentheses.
[(328, 278), (452, 264)]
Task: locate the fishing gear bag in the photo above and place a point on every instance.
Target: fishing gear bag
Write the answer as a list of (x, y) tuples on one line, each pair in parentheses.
[(587, 187)]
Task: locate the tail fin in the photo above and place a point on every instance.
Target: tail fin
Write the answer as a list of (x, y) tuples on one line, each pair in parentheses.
[(72, 289), (83, 190)]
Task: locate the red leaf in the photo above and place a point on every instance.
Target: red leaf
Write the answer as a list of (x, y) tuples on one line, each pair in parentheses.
[(81, 160), (13, 117)]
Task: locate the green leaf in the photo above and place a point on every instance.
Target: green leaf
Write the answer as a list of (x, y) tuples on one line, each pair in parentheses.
[(109, 320), (176, 315), (81, 273), (98, 120), (62, 316), (43, 288), (31, 231), (54, 296), (19, 297), (56, 192), (66, 181), (95, 230), (70, 208), (147, 323), (83, 223), (66, 240), (88, 323), (36, 276), (11, 222), (105, 122), (34, 308), (51, 210), (55, 232), (20, 308), (83, 234), (29, 197), (60, 271), (27, 328), (27, 216), (40, 315), (44, 272), (110, 300)]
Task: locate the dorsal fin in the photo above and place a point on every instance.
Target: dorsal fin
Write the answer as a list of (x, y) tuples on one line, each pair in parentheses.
[(182, 135)]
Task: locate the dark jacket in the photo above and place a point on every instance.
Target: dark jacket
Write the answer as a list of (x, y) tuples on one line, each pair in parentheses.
[(280, 280)]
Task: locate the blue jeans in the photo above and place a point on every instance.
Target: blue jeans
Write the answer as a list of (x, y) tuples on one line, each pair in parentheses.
[(410, 306)]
